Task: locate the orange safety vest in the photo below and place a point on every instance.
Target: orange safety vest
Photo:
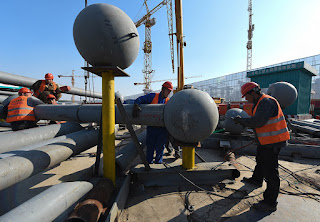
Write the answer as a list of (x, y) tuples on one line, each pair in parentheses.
[(42, 88), (156, 98), (275, 130), (18, 110)]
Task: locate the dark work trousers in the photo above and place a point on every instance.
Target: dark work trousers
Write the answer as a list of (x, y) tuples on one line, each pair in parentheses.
[(157, 138), (20, 125), (267, 168)]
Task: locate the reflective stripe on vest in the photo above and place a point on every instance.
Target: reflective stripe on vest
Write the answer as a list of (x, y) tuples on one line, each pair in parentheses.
[(275, 130), (42, 88), (156, 99), (18, 110)]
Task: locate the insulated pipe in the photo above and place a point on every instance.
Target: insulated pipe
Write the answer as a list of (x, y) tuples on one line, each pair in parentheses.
[(13, 140), (127, 154), (3, 97), (16, 168), (49, 204), (150, 115), (189, 116), (17, 80), (33, 146), (8, 93)]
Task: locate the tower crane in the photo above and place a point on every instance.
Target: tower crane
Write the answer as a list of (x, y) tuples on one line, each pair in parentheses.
[(72, 83), (250, 33), (147, 45)]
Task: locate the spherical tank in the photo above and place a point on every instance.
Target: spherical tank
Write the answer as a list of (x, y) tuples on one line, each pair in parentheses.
[(106, 36), (191, 115), (284, 92), (229, 125)]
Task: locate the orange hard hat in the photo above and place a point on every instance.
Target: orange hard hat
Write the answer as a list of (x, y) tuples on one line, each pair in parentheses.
[(248, 87), (48, 76), (50, 96), (24, 90), (168, 85)]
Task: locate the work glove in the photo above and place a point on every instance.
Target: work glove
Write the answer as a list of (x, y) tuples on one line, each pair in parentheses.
[(136, 110), (238, 120)]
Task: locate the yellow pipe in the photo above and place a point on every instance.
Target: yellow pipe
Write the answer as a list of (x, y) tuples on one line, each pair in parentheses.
[(188, 156), (108, 123)]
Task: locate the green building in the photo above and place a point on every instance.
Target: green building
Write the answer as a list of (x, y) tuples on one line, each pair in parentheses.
[(298, 74)]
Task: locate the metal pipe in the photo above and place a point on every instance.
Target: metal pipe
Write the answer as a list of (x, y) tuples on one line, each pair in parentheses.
[(190, 115), (16, 168), (8, 93), (151, 115), (127, 154), (13, 140), (49, 204), (33, 146), (3, 98), (18, 80)]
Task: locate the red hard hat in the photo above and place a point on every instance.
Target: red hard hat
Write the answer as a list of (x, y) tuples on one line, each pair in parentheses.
[(168, 85), (50, 96), (48, 76), (247, 87), (24, 90)]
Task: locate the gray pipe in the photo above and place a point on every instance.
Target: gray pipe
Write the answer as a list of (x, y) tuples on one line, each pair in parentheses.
[(8, 93), (151, 115), (49, 204), (33, 146), (3, 98), (127, 154), (16, 168), (305, 123), (18, 80), (13, 140)]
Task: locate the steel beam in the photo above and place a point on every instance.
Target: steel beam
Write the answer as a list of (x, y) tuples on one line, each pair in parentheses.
[(17, 80), (49, 204), (13, 140), (16, 168)]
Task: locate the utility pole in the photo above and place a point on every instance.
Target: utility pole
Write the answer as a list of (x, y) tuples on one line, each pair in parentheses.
[(180, 43), (72, 83), (250, 33)]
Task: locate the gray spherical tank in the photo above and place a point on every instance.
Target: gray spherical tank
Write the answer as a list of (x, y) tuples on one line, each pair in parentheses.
[(229, 125), (191, 115), (284, 92), (106, 36)]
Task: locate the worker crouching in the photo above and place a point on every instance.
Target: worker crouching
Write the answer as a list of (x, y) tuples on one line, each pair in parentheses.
[(157, 137), (271, 132), (19, 111), (42, 88)]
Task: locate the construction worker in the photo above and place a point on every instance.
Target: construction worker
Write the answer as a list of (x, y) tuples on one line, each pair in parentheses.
[(42, 88), (157, 137), (271, 132), (19, 111)]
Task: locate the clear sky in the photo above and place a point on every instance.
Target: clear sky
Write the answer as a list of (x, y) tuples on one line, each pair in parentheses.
[(36, 38)]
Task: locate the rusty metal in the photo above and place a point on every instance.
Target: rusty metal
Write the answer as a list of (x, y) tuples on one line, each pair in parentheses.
[(94, 204), (232, 159)]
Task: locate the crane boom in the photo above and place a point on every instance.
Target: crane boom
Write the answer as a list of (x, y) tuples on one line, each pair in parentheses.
[(170, 27), (250, 33), (149, 13)]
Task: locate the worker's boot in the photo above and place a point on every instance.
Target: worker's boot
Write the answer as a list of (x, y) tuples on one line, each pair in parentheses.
[(252, 181), (265, 206)]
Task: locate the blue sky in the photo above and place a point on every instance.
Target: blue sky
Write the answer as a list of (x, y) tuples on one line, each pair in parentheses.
[(36, 38)]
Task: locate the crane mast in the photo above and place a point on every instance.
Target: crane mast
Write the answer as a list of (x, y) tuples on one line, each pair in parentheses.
[(250, 33)]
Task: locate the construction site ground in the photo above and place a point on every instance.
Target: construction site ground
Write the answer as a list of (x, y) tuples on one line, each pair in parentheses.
[(226, 201)]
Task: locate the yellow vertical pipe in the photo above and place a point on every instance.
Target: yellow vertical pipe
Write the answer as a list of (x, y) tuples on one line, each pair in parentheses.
[(108, 123), (188, 157)]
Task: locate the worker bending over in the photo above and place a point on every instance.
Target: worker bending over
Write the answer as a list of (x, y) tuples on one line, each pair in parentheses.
[(271, 132), (157, 137), (42, 88), (19, 111)]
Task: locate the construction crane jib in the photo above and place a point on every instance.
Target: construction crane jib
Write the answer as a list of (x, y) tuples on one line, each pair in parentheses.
[(147, 46), (250, 33)]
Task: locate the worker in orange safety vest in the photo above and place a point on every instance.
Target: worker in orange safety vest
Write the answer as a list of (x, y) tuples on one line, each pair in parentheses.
[(42, 88), (271, 132), (157, 137), (19, 111)]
